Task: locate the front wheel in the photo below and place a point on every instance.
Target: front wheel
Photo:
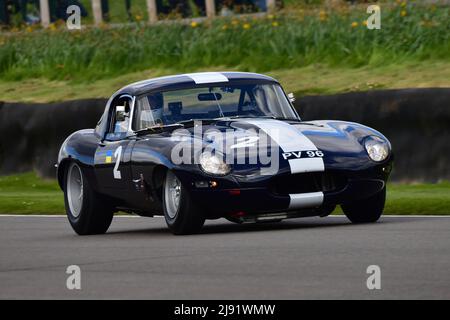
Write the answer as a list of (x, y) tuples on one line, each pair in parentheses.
[(181, 214), (367, 210), (86, 211)]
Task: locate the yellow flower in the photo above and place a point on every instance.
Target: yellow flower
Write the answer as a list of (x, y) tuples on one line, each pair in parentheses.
[(354, 24), (29, 29), (194, 24), (235, 22), (138, 17), (52, 27), (224, 27), (403, 4), (275, 24), (364, 23), (270, 16), (246, 26), (403, 13), (322, 15)]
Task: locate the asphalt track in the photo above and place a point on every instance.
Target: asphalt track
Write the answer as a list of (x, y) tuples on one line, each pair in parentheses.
[(313, 258)]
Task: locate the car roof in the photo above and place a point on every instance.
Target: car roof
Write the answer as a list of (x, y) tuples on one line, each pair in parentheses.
[(192, 80)]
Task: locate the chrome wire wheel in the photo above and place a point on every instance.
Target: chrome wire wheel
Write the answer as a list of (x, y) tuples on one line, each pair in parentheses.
[(75, 190), (172, 194)]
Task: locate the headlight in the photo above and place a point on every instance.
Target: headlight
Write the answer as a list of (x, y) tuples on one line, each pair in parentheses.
[(214, 164), (377, 148)]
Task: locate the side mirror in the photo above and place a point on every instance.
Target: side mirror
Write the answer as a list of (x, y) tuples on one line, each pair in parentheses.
[(291, 97), (120, 113)]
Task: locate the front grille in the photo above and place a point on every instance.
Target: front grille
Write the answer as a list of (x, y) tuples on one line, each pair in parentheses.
[(307, 182)]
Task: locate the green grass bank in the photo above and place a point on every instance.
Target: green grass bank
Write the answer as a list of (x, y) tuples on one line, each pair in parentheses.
[(291, 40)]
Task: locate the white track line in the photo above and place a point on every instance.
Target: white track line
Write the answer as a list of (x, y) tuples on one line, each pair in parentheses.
[(414, 216), (135, 216), (54, 216)]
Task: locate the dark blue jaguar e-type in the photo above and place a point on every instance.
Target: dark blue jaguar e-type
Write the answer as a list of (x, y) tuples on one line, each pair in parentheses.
[(210, 145)]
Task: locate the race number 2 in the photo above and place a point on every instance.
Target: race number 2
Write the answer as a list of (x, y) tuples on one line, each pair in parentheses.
[(118, 156)]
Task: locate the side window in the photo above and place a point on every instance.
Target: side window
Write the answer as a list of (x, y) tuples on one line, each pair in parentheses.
[(143, 117), (120, 118)]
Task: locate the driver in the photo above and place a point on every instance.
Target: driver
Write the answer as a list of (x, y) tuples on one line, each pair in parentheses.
[(121, 126), (156, 102)]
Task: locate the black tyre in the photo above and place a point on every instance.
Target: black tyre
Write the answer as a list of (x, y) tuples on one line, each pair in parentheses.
[(367, 210), (86, 211), (182, 216)]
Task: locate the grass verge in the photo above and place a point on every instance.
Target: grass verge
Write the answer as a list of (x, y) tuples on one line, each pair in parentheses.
[(292, 40), (311, 80), (28, 194)]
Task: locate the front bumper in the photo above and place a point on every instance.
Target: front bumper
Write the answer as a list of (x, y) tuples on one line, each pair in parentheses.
[(234, 195)]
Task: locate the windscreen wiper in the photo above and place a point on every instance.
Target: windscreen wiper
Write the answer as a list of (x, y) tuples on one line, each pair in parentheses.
[(286, 119), (299, 121), (264, 117), (191, 122), (159, 128)]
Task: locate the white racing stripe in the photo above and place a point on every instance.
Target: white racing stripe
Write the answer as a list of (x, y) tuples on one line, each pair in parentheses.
[(207, 77), (290, 139), (306, 165), (305, 200)]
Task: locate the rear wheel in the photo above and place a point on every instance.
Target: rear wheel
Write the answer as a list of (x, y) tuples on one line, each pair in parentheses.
[(367, 210), (87, 212), (181, 214)]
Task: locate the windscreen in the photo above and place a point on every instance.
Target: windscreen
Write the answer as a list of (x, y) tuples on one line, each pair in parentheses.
[(212, 102)]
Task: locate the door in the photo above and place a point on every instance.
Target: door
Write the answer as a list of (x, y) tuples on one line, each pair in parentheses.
[(112, 164), (113, 154)]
